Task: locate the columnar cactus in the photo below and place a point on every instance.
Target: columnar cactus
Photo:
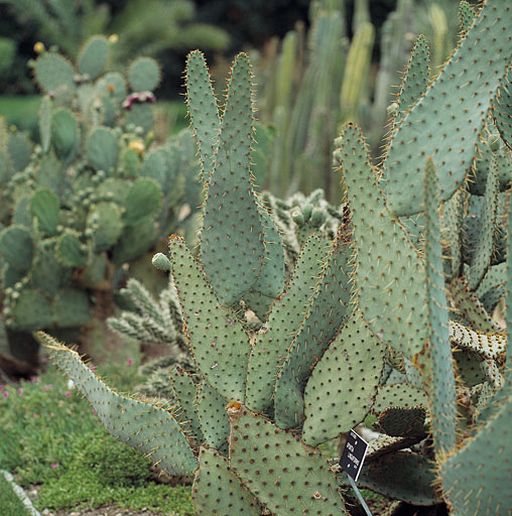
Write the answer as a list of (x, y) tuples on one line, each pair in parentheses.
[(372, 321)]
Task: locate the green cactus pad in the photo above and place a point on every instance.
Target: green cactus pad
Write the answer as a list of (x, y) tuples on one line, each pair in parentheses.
[(402, 476), (45, 207), (144, 74), (287, 313), (350, 369), (415, 80), (217, 491), (93, 56), (202, 109), (102, 149), (326, 315), (71, 308), (143, 199), (494, 279), (445, 122), (389, 273), (471, 368), (401, 395), (270, 282), (478, 474), (19, 147), (403, 422), (46, 273), (70, 251), (217, 340), (105, 224), (484, 248), (470, 307), (17, 247), (439, 377), (112, 85), (453, 220), (467, 15), (135, 241), (54, 73), (503, 108), (211, 411), (31, 311), (141, 115), (152, 430), (184, 389), (232, 221), (280, 471), (487, 345), (45, 122)]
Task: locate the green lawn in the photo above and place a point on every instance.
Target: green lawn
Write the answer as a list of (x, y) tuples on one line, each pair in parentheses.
[(51, 438), (11, 505)]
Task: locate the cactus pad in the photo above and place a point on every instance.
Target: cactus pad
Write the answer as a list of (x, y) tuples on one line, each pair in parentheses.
[(150, 429), (281, 472)]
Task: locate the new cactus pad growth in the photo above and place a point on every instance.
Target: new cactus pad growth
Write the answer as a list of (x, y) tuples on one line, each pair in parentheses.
[(363, 317)]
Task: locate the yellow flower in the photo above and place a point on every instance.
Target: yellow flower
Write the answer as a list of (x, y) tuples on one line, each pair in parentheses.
[(113, 38), (39, 47), (137, 146)]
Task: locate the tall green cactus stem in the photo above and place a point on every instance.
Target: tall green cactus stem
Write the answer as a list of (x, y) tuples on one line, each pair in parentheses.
[(440, 379), (389, 274), (445, 122), (439, 26), (358, 62), (304, 479), (153, 430), (217, 340), (285, 317), (202, 109)]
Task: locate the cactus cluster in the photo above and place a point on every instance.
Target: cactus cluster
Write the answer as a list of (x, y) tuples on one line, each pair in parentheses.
[(94, 193), (397, 315), (319, 82)]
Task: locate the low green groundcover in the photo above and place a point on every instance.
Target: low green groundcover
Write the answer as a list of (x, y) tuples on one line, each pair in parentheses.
[(51, 439)]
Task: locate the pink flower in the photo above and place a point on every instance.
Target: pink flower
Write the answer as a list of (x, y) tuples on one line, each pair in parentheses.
[(129, 362), (54, 465), (68, 394), (5, 394)]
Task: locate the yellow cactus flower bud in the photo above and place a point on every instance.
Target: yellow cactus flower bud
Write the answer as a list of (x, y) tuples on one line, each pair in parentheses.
[(137, 146), (39, 47), (113, 38)]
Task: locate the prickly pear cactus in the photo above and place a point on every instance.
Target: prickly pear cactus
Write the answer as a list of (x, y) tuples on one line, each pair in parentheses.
[(95, 194), (375, 320)]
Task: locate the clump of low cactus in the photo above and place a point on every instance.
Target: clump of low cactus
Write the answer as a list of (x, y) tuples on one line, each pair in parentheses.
[(386, 318), (93, 194)]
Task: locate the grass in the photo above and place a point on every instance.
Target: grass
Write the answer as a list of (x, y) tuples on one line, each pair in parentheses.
[(9, 502), (51, 438)]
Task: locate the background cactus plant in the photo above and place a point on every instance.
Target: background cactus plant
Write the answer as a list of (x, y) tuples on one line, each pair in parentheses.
[(94, 194), (377, 320)]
